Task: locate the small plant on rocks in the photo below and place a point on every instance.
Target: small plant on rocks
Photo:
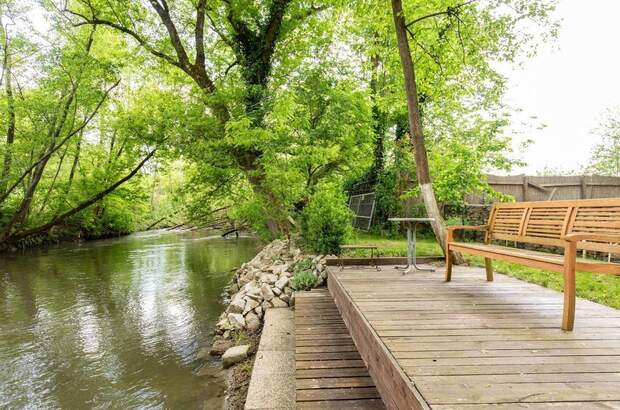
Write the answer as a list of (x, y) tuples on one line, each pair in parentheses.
[(304, 265), (303, 280)]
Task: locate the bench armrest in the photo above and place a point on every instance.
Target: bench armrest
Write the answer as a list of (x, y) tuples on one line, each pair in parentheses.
[(576, 237), (468, 228)]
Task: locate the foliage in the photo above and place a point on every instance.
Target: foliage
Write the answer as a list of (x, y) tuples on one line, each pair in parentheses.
[(605, 157), (303, 265), (326, 221), (303, 280), (253, 108)]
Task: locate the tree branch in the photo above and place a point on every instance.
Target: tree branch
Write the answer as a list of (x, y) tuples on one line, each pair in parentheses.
[(451, 10), (85, 204), (164, 14), (126, 30), (278, 9), (199, 32)]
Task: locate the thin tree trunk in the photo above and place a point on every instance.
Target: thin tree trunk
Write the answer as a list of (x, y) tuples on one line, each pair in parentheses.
[(10, 132), (415, 128), (46, 198), (76, 160)]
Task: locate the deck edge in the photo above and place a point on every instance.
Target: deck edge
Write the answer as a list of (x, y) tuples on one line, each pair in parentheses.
[(382, 366)]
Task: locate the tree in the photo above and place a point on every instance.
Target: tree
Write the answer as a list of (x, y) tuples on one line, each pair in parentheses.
[(68, 154), (233, 43), (490, 32), (605, 157)]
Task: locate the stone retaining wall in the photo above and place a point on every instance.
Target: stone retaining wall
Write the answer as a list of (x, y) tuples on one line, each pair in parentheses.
[(263, 283)]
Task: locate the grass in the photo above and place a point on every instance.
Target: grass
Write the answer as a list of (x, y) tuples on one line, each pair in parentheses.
[(598, 288), (391, 246)]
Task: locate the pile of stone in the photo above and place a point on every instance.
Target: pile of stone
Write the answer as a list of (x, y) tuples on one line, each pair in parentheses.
[(263, 283)]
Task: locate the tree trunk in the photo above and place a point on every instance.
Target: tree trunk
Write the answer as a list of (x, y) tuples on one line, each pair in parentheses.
[(379, 123), (10, 132), (415, 128)]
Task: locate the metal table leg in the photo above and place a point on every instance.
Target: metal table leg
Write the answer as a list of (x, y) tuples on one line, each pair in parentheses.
[(415, 226), (411, 251)]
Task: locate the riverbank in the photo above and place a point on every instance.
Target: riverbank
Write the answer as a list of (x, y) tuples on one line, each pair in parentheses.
[(53, 239), (267, 281)]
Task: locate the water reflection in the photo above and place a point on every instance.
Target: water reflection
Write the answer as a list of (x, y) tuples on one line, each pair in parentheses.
[(114, 323)]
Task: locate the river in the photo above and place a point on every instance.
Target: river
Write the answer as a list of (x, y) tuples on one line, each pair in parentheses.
[(115, 323)]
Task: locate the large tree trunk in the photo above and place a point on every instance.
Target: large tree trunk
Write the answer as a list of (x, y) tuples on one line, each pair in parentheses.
[(415, 128)]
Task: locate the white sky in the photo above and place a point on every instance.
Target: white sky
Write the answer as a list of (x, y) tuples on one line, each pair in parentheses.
[(568, 86)]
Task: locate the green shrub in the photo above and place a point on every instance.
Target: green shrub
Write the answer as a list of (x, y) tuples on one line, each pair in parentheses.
[(303, 265), (326, 221), (303, 280)]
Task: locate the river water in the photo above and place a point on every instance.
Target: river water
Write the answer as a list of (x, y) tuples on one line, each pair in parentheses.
[(114, 324)]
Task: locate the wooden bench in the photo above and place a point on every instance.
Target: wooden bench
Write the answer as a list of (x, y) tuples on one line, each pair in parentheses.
[(374, 251), (588, 224)]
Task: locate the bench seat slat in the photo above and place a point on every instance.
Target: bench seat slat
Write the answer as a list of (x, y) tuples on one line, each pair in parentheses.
[(536, 258)]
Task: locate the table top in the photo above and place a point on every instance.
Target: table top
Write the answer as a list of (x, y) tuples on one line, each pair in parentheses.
[(411, 219)]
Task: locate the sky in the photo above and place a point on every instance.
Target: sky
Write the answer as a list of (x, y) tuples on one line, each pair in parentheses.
[(568, 87)]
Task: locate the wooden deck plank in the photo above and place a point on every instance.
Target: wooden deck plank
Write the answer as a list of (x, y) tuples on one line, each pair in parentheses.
[(330, 373), (473, 344)]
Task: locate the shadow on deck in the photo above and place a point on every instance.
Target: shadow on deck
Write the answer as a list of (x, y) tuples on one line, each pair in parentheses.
[(476, 344)]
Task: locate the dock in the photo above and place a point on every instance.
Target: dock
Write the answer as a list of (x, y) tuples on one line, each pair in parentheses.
[(466, 344), (330, 373)]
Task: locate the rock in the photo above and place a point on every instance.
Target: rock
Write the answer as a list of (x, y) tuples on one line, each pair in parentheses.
[(292, 301), (285, 298), (253, 291), (219, 347), (250, 304), (223, 324), (252, 321), (226, 335), (233, 288), (288, 291), (237, 305), (268, 278), (281, 283), (266, 305), (277, 302), (236, 320), (276, 291), (203, 353), (235, 355), (266, 292), (259, 311), (279, 269)]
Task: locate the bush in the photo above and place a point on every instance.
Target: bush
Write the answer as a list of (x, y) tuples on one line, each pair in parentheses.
[(303, 265), (326, 221), (304, 280)]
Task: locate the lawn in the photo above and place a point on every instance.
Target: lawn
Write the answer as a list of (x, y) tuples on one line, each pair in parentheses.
[(603, 289), (392, 246)]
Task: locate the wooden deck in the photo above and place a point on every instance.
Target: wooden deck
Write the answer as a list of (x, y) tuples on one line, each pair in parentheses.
[(330, 373), (475, 344)]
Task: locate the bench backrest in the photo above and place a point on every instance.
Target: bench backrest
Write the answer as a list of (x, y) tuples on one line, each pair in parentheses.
[(546, 223)]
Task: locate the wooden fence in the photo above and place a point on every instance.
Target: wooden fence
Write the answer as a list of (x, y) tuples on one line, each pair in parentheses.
[(546, 188)]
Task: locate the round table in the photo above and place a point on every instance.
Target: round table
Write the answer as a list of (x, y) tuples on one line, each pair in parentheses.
[(412, 225)]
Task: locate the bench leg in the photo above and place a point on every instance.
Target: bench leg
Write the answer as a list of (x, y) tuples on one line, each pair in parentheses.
[(488, 265), (449, 261), (568, 317)]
